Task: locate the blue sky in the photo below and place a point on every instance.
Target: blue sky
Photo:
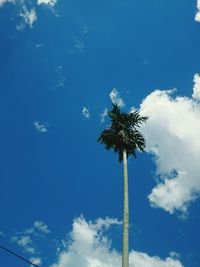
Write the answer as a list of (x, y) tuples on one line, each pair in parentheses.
[(62, 63)]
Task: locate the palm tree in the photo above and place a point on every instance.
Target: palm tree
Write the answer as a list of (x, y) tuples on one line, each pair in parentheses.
[(123, 137)]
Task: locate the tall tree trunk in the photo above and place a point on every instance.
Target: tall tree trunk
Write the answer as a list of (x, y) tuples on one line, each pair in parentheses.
[(125, 252)]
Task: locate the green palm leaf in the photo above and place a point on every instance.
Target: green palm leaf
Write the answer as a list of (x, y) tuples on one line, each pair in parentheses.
[(122, 133)]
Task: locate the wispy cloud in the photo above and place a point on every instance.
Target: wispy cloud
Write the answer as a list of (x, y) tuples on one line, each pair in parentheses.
[(25, 242), (26, 239), (174, 255), (197, 17), (145, 63), (115, 98), (90, 246), (86, 112), (61, 77), (85, 29), (26, 10), (77, 46), (36, 260), (41, 127), (172, 136), (103, 115), (2, 2), (2, 234), (29, 17), (39, 45), (41, 227), (51, 3)]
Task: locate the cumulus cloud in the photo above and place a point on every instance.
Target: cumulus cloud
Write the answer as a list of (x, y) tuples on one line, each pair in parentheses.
[(86, 112), (172, 136), (47, 2), (41, 227), (89, 246), (115, 98), (197, 17), (196, 89), (174, 255), (41, 127)]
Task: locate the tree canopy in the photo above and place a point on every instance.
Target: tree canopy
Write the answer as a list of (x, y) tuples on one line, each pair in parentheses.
[(123, 134)]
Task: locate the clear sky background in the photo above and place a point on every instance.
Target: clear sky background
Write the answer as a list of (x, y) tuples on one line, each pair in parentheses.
[(62, 63)]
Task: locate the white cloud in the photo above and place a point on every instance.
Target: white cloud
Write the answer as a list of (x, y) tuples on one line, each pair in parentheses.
[(103, 115), (77, 46), (28, 16), (174, 255), (51, 3), (27, 12), (36, 260), (41, 227), (61, 77), (196, 89), (2, 2), (197, 17), (142, 259), (39, 45), (172, 136), (90, 247), (26, 239), (25, 242), (86, 112), (2, 234), (85, 29), (61, 81), (145, 63), (115, 98), (47, 2), (41, 127)]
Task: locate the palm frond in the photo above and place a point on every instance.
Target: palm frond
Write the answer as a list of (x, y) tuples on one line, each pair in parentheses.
[(123, 133)]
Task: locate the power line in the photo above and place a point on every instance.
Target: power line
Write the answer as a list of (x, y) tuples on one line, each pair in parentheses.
[(18, 256)]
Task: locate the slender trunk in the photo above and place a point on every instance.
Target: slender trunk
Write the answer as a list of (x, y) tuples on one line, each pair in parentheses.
[(125, 252)]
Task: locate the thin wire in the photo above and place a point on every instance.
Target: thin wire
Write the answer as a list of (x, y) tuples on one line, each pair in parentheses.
[(18, 256)]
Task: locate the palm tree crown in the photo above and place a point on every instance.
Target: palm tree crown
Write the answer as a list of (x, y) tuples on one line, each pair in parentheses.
[(122, 133)]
